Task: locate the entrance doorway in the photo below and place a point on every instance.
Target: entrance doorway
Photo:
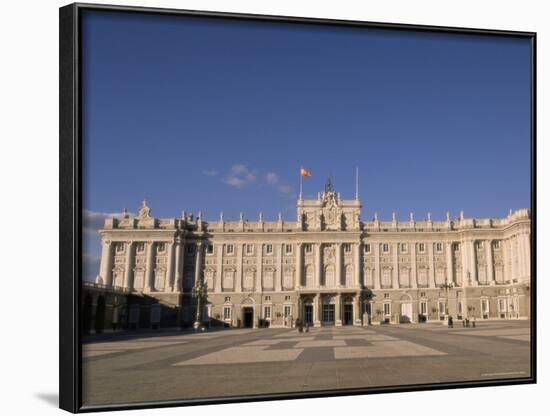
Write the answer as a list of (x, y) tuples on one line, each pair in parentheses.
[(348, 314), (308, 314), (248, 317), (406, 313), (328, 314)]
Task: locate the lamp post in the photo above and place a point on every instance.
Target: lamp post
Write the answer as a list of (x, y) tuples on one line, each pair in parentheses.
[(199, 292), (446, 286)]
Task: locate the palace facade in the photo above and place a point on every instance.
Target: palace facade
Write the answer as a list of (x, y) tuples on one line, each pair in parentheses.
[(325, 268)]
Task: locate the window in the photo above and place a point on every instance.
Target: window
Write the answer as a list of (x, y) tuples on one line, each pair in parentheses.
[(287, 297), (288, 248), (421, 247), (479, 245), (267, 298), (267, 312), (456, 246), (229, 249), (403, 247), (367, 248), (227, 312), (287, 310), (424, 308), (386, 295), (249, 249), (347, 248), (209, 249), (441, 308), (502, 305), (161, 247), (496, 244), (228, 298), (387, 309), (439, 247), (190, 248), (140, 248), (460, 308), (422, 294), (385, 248), (308, 248), (269, 249), (119, 247)]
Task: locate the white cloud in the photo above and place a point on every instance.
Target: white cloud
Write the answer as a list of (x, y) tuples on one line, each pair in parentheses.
[(92, 221), (274, 180), (239, 176)]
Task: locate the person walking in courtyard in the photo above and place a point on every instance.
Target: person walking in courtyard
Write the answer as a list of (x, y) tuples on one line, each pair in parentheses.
[(473, 321)]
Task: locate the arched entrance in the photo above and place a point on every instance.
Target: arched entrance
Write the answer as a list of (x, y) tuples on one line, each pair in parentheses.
[(248, 313), (307, 312), (405, 313), (328, 311), (347, 311), (99, 322)]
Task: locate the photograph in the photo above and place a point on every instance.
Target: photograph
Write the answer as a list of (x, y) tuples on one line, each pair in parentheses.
[(275, 207)]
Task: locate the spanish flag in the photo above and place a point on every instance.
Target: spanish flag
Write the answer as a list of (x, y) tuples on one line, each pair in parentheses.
[(304, 172)]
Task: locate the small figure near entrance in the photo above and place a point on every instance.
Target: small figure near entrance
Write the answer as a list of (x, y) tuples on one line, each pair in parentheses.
[(450, 322), (300, 325), (307, 326), (473, 321)]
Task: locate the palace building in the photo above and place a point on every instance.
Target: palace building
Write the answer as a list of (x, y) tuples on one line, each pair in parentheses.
[(325, 268)]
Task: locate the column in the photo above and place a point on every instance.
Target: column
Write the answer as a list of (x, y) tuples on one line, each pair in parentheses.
[(513, 256), (357, 310), (376, 266), (128, 275), (431, 266), (299, 266), (357, 265), (338, 311), (489, 261), (178, 267), (505, 247), (318, 265), (338, 265), (279, 273), (198, 263), (259, 267), (150, 277), (466, 274), (219, 269), (106, 266), (449, 260), (316, 312), (169, 278), (414, 281), (527, 254), (239, 274), (472, 259), (395, 273)]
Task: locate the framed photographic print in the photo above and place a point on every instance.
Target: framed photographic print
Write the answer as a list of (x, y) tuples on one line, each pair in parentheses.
[(263, 207)]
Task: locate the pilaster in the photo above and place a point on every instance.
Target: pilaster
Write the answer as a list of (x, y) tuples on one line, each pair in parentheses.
[(128, 273), (376, 266), (395, 271), (489, 261)]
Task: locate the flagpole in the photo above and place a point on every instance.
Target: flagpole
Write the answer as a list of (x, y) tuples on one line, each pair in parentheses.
[(300, 184)]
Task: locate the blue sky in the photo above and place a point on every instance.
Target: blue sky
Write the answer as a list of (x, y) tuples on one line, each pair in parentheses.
[(203, 114)]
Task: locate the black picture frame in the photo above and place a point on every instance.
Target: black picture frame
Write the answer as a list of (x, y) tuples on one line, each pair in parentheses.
[(70, 205)]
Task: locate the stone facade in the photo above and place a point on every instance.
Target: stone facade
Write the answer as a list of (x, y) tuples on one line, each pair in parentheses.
[(326, 268)]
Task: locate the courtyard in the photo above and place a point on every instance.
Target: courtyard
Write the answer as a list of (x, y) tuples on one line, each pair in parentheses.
[(178, 365)]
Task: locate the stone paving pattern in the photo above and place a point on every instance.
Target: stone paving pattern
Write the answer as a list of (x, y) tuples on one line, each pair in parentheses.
[(251, 361)]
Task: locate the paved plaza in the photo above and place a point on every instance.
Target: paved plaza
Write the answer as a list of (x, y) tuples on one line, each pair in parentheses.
[(259, 361)]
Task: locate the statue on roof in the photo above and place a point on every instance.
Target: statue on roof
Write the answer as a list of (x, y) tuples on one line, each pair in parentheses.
[(329, 187), (144, 211)]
